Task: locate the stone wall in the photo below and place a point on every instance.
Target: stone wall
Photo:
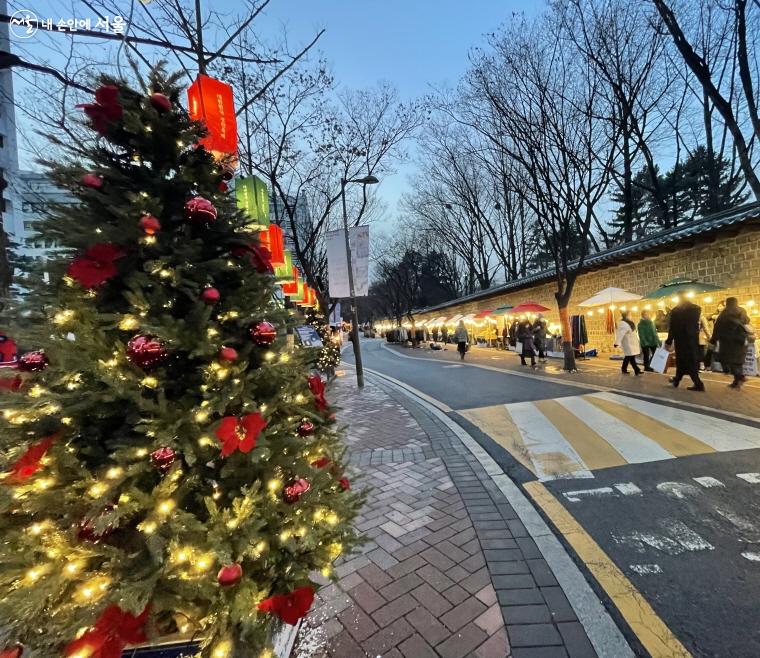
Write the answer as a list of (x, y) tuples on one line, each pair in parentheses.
[(733, 262)]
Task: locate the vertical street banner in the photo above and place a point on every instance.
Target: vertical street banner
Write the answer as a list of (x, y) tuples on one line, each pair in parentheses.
[(336, 317), (337, 268)]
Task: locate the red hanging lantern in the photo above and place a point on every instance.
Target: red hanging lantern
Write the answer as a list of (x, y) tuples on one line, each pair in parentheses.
[(291, 288), (211, 102), (276, 245)]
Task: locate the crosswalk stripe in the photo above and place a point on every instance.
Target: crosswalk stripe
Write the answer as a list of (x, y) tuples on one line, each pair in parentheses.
[(552, 455), (593, 449), (628, 441), (499, 425), (673, 440), (719, 434)]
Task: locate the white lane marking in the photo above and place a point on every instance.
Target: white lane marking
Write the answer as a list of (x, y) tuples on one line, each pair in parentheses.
[(709, 483), (752, 557), (454, 366), (723, 435), (627, 488), (629, 442), (646, 569), (575, 496), (552, 455), (752, 478), (678, 490), (741, 523), (677, 539)]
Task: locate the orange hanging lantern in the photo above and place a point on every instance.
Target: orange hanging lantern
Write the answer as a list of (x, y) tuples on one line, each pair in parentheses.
[(276, 245), (211, 102)]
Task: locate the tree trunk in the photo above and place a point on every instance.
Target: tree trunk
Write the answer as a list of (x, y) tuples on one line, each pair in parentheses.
[(627, 185), (567, 335)]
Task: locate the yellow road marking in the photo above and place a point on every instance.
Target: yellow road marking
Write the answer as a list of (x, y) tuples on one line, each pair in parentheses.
[(590, 446), (498, 424), (652, 632), (675, 441)]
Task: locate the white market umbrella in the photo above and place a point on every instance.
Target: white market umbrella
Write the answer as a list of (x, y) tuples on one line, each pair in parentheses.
[(610, 296)]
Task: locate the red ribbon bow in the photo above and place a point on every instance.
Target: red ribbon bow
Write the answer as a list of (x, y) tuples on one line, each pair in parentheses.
[(113, 630), (96, 265), (317, 388), (31, 461), (240, 433), (105, 110), (289, 607)]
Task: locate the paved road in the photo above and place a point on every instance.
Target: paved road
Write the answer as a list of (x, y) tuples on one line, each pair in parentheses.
[(670, 494)]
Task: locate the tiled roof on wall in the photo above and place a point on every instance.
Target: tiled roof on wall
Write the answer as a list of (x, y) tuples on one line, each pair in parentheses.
[(662, 241)]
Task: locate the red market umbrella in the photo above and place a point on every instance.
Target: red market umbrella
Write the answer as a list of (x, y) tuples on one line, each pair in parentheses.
[(483, 314), (528, 307)]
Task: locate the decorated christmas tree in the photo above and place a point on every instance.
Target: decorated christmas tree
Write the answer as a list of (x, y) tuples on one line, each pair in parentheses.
[(169, 467), (328, 356)]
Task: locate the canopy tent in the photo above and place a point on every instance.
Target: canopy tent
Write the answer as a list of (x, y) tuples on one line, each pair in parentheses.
[(610, 296), (689, 287), (469, 317), (503, 310), (440, 320), (529, 307), (483, 314), (454, 319)]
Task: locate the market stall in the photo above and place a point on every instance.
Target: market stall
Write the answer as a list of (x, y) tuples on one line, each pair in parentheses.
[(604, 303)]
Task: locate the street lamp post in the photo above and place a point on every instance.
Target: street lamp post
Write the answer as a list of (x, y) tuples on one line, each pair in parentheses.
[(367, 180)]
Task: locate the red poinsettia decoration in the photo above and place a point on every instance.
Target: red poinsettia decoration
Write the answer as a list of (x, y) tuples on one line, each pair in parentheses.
[(113, 631), (106, 108), (317, 388), (12, 652), (321, 462), (345, 484), (14, 384), (289, 607), (31, 461), (240, 433), (258, 256), (96, 265)]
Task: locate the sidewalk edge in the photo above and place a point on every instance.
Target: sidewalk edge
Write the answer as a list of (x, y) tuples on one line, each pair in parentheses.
[(603, 633)]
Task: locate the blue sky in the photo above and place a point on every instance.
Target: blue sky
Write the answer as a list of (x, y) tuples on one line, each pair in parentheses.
[(412, 43)]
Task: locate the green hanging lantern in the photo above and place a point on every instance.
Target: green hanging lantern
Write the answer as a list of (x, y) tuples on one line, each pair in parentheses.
[(252, 198), (284, 273)]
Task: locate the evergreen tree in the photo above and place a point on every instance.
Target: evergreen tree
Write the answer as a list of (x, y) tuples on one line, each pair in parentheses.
[(169, 466)]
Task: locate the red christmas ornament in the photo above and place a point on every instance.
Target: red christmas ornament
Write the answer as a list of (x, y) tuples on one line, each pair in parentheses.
[(14, 384), (146, 351), (31, 461), (200, 211), (105, 110), (239, 433), (293, 491), (12, 652), (210, 296), (229, 575), (259, 257), (228, 354), (306, 428), (223, 187), (289, 607), (92, 180), (345, 484), (113, 631), (163, 458), (262, 333), (160, 102), (33, 361), (150, 224), (87, 530), (321, 462), (317, 388), (96, 265)]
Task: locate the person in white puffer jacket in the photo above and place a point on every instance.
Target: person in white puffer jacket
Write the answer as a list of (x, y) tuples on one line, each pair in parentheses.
[(628, 340)]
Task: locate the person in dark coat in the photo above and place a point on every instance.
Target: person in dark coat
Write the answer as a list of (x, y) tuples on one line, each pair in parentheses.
[(513, 331), (684, 332), (731, 333), (525, 337), (539, 334)]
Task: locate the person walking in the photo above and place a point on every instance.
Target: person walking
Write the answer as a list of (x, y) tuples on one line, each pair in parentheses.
[(525, 338), (461, 338), (539, 336), (704, 341), (732, 331), (648, 339), (628, 340), (684, 333)]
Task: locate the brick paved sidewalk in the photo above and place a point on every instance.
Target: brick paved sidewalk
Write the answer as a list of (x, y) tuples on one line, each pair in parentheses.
[(447, 561)]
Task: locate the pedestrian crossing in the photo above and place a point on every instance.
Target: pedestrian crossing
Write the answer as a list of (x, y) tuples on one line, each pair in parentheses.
[(572, 437)]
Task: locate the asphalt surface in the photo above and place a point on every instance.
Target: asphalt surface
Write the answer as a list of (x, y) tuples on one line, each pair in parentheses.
[(691, 547)]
